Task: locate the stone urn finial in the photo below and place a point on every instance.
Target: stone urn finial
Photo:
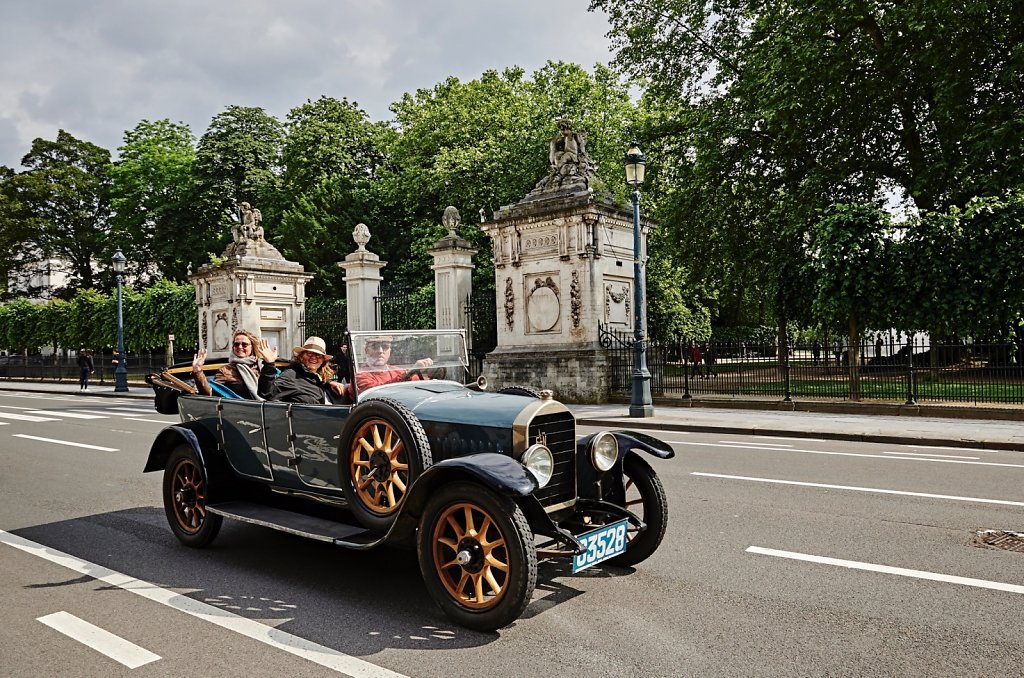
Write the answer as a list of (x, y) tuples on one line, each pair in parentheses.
[(451, 220), (361, 234)]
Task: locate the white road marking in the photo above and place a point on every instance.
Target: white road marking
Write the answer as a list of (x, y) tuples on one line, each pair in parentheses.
[(947, 447), (733, 442), (66, 413), (133, 410), (104, 642), (886, 569), (1004, 502), (24, 417), (165, 422), (110, 413), (300, 647), (855, 454), (930, 454), (66, 442), (14, 407)]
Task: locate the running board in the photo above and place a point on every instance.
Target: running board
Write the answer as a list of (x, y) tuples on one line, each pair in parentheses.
[(343, 534)]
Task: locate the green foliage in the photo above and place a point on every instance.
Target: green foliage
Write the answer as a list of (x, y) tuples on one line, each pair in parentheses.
[(152, 181), (63, 205), (90, 319)]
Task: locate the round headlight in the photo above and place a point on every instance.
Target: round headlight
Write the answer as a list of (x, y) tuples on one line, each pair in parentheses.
[(604, 451), (540, 462)]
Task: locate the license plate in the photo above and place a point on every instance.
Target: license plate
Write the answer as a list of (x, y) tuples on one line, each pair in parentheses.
[(601, 544)]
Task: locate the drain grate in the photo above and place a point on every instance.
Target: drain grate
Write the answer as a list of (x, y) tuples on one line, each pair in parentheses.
[(999, 539)]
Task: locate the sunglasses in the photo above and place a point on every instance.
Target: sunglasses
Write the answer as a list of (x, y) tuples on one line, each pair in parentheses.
[(241, 343), (374, 345)]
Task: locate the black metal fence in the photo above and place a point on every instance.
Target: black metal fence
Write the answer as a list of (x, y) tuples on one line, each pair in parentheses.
[(64, 368), (330, 324), (885, 368), (404, 308), (482, 334)]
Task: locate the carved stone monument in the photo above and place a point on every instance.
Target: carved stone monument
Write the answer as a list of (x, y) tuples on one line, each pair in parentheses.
[(253, 287), (563, 263), (453, 274)]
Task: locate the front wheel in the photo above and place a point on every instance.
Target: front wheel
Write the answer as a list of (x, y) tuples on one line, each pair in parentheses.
[(383, 450), (477, 557), (645, 498), (185, 492)]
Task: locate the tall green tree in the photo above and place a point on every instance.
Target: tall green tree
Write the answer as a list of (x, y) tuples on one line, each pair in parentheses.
[(63, 205), (151, 184), (238, 159), (331, 155), (770, 112)]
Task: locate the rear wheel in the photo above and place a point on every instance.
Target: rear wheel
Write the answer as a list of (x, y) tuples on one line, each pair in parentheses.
[(645, 498), (477, 556), (383, 450), (185, 492)]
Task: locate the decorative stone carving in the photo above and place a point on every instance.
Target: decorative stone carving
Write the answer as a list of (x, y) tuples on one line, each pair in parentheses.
[(221, 332), (451, 220), (510, 304), (234, 320), (361, 234), (543, 307), (575, 300), (248, 236), (569, 164), (617, 305), (205, 334)]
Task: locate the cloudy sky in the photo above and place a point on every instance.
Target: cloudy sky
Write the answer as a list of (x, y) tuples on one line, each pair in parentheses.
[(97, 67)]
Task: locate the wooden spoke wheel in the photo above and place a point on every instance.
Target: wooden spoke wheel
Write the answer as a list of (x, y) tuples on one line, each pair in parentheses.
[(477, 556), (384, 449), (646, 499), (185, 492)]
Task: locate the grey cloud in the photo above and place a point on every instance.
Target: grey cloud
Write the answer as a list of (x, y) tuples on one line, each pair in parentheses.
[(97, 68)]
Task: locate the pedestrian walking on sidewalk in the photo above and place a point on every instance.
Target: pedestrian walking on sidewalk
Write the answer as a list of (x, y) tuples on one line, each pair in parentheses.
[(696, 358), (85, 368)]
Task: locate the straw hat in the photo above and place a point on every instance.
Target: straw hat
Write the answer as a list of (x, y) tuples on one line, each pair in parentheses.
[(313, 345)]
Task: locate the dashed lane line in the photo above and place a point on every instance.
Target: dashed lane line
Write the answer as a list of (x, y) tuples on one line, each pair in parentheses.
[(65, 442), (300, 647), (887, 569), (1004, 502), (24, 417), (104, 642), (69, 415)]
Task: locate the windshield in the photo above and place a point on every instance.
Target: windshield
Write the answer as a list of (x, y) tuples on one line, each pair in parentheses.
[(396, 352)]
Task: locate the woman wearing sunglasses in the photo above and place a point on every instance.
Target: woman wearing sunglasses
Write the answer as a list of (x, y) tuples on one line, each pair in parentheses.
[(242, 373)]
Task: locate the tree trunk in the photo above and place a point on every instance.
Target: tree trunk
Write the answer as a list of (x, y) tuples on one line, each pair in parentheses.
[(853, 356)]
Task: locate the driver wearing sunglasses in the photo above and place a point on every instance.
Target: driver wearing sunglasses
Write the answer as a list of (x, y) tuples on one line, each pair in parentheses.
[(376, 370)]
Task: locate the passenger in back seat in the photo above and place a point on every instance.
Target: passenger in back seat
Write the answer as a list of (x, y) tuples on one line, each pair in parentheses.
[(242, 373)]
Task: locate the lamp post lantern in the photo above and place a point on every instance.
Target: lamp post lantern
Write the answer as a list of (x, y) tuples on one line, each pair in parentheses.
[(120, 372), (641, 404)]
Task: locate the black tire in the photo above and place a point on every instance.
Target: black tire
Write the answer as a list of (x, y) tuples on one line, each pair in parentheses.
[(185, 493), (520, 391), (646, 498), (495, 585), (383, 438)]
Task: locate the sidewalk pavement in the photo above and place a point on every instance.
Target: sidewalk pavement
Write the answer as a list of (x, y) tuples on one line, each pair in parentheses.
[(957, 427)]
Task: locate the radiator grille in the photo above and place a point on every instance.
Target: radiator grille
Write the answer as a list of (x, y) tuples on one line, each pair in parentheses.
[(560, 431)]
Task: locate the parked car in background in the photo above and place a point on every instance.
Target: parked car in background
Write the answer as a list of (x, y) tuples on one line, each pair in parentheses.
[(481, 484)]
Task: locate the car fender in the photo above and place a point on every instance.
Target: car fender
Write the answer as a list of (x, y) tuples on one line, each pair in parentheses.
[(497, 472), (632, 440), (193, 433)]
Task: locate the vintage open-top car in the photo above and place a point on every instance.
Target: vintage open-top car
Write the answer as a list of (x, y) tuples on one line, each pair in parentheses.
[(481, 483)]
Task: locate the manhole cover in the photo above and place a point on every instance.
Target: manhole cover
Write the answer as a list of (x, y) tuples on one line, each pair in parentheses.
[(999, 539)]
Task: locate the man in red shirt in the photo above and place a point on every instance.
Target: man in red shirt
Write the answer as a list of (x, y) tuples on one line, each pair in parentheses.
[(375, 369)]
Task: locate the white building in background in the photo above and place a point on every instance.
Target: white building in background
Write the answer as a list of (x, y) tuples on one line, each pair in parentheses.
[(39, 281)]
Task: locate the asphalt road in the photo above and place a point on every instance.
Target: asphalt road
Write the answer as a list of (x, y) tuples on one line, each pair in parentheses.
[(783, 557)]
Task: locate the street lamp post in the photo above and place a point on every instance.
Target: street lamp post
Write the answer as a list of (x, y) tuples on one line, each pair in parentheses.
[(120, 372), (641, 404)]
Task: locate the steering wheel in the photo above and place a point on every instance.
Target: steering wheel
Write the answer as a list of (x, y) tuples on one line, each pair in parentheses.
[(414, 372)]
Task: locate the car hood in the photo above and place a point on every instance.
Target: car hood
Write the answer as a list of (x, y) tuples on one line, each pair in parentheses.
[(451, 402)]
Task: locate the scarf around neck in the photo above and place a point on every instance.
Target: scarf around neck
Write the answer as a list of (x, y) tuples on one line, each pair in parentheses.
[(246, 375)]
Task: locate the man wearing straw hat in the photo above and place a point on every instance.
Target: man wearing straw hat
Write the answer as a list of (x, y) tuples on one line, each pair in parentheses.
[(309, 378)]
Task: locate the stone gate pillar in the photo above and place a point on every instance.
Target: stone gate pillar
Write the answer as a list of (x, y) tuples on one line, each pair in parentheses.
[(563, 264), (362, 282), (253, 288), (453, 275)]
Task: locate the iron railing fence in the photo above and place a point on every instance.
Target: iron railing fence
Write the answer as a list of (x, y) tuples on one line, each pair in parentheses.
[(482, 330), (398, 309), (64, 367), (949, 372), (329, 324)]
